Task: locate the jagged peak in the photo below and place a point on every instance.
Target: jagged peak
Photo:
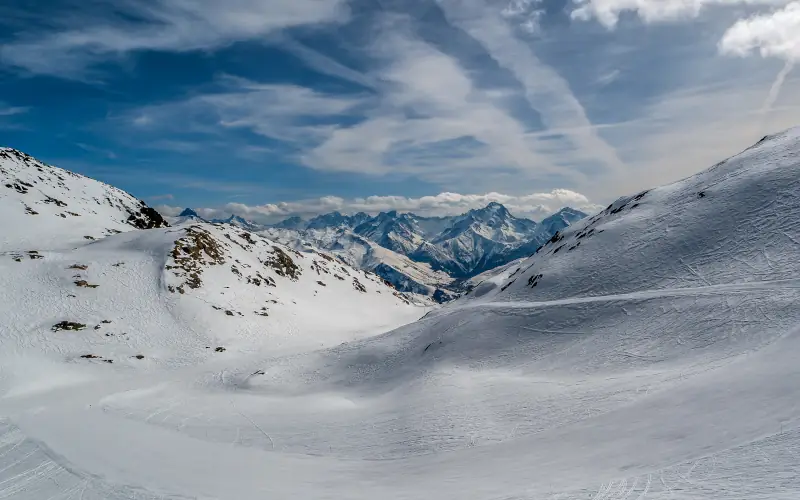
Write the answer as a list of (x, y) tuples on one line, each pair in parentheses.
[(188, 212)]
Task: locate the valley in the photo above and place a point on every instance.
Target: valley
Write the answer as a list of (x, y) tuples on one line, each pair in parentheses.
[(646, 351)]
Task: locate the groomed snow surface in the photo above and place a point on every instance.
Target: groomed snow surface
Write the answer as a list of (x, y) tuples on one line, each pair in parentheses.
[(648, 352)]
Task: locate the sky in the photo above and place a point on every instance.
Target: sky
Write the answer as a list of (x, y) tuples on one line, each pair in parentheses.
[(274, 108)]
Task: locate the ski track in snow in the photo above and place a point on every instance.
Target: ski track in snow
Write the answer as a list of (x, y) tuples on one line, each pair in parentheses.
[(644, 364)]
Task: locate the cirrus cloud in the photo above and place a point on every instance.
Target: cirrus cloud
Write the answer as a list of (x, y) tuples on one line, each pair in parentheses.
[(608, 12)]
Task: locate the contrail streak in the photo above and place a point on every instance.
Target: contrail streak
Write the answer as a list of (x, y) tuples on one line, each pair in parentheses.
[(774, 92)]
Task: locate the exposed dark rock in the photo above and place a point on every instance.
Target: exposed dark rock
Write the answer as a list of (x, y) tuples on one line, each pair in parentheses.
[(68, 325), (282, 264), (147, 218)]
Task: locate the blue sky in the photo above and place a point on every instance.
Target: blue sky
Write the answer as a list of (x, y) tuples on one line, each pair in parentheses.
[(271, 108)]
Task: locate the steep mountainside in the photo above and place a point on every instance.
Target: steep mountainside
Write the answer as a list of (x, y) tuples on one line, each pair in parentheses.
[(48, 207)]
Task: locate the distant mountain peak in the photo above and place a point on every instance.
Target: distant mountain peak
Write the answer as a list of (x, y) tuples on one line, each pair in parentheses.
[(188, 212), (493, 208)]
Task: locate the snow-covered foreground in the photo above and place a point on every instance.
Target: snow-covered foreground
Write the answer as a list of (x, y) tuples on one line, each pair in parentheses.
[(655, 360)]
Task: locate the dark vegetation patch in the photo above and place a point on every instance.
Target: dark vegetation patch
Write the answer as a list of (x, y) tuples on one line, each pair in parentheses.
[(247, 237), (534, 280), (401, 297), (358, 286), (326, 257), (85, 284), (282, 264), (258, 279), (55, 201), (189, 255), (68, 325), (503, 289)]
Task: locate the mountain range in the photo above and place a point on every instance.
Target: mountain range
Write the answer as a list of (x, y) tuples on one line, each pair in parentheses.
[(427, 255)]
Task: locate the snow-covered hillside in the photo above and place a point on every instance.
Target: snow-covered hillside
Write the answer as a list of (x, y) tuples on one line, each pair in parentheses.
[(403, 273), (648, 352), (73, 251), (49, 207)]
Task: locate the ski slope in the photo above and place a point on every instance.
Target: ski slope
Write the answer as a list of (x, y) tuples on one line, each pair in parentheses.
[(648, 352)]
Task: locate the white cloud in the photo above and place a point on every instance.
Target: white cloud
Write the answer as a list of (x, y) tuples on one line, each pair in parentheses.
[(12, 110), (271, 110), (608, 12), (534, 205), (608, 78), (324, 64), (776, 34), (528, 13), (120, 28)]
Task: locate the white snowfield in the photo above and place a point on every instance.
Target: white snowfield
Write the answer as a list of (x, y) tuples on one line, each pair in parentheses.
[(648, 352)]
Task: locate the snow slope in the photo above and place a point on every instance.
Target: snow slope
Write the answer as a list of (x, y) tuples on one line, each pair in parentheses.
[(45, 207), (655, 360)]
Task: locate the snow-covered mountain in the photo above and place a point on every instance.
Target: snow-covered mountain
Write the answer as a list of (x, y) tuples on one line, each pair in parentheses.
[(483, 239), (460, 246), (238, 221), (431, 256), (332, 220), (647, 352), (403, 273), (75, 247), (44, 206)]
